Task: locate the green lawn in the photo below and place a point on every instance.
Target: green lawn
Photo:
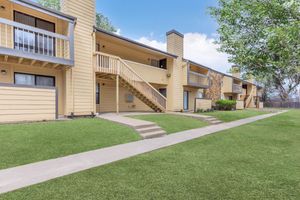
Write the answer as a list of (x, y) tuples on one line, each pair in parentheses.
[(256, 161), (173, 123), (228, 116), (26, 143)]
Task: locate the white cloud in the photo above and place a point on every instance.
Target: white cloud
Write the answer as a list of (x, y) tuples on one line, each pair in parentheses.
[(197, 47), (118, 32), (153, 43)]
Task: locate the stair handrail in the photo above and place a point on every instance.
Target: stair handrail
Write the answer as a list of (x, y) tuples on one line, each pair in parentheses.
[(136, 74), (248, 100)]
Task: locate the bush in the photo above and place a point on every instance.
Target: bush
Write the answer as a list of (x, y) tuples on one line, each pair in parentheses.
[(199, 110), (226, 104)]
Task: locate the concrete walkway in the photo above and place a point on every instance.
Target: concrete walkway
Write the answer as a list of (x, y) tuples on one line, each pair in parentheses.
[(146, 129), (209, 119), (122, 119), (22, 176)]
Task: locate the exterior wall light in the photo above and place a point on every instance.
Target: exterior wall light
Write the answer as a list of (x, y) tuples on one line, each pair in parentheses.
[(3, 72)]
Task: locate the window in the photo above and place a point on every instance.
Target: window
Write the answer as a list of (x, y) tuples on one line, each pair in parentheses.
[(30, 41), (34, 80), (44, 81), (163, 63), (154, 63), (163, 91), (98, 93), (24, 79)]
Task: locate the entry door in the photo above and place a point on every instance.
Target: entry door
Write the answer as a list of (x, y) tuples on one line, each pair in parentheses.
[(185, 100)]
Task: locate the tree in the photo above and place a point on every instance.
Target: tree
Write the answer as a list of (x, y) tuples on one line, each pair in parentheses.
[(101, 21), (53, 4), (262, 38), (104, 23)]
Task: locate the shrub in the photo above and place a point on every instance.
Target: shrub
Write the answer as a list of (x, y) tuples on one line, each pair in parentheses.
[(226, 104), (199, 110)]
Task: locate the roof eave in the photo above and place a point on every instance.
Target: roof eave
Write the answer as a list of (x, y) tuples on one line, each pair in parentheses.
[(37, 6), (134, 42), (192, 62)]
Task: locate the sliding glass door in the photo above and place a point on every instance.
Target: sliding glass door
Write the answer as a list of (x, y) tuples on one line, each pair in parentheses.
[(33, 42)]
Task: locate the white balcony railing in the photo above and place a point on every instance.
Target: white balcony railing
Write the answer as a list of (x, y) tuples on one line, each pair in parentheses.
[(198, 80), (28, 39)]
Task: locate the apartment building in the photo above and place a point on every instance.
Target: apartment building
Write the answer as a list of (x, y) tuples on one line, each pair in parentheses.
[(59, 64)]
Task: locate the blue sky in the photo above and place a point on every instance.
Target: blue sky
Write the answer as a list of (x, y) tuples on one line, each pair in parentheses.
[(137, 18), (148, 21)]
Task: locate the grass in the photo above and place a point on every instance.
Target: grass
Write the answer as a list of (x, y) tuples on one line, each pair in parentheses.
[(256, 161), (26, 143), (228, 116), (173, 123)]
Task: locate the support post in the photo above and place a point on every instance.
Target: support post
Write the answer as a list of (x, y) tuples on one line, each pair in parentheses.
[(71, 40), (117, 94)]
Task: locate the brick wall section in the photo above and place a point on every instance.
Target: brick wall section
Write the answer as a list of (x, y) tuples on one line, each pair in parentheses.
[(215, 91)]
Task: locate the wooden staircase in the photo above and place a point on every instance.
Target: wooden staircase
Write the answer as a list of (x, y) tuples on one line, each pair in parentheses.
[(109, 64), (249, 99)]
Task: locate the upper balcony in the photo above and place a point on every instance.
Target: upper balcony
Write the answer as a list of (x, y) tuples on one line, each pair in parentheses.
[(198, 80), (236, 88), (34, 36), (151, 64), (197, 76)]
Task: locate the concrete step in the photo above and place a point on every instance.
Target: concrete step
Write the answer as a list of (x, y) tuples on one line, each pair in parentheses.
[(216, 122), (144, 126), (210, 119), (148, 129), (153, 134)]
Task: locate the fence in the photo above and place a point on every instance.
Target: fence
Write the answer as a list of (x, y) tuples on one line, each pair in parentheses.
[(282, 104)]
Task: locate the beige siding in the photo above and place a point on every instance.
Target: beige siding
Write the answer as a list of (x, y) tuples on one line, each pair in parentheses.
[(175, 85), (108, 99), (203, 104), (149, 73), (80, 82), (192, 96), (239, 105), (27, 104), (58, 74), (227, 84)]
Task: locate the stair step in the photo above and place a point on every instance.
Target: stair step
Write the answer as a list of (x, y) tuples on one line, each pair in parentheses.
[(210, 119), (216, 122), (148, 129), (144, 126), (153, 134)]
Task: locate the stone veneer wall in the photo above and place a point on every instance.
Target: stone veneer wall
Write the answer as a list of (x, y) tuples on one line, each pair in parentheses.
[(215, 90)]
